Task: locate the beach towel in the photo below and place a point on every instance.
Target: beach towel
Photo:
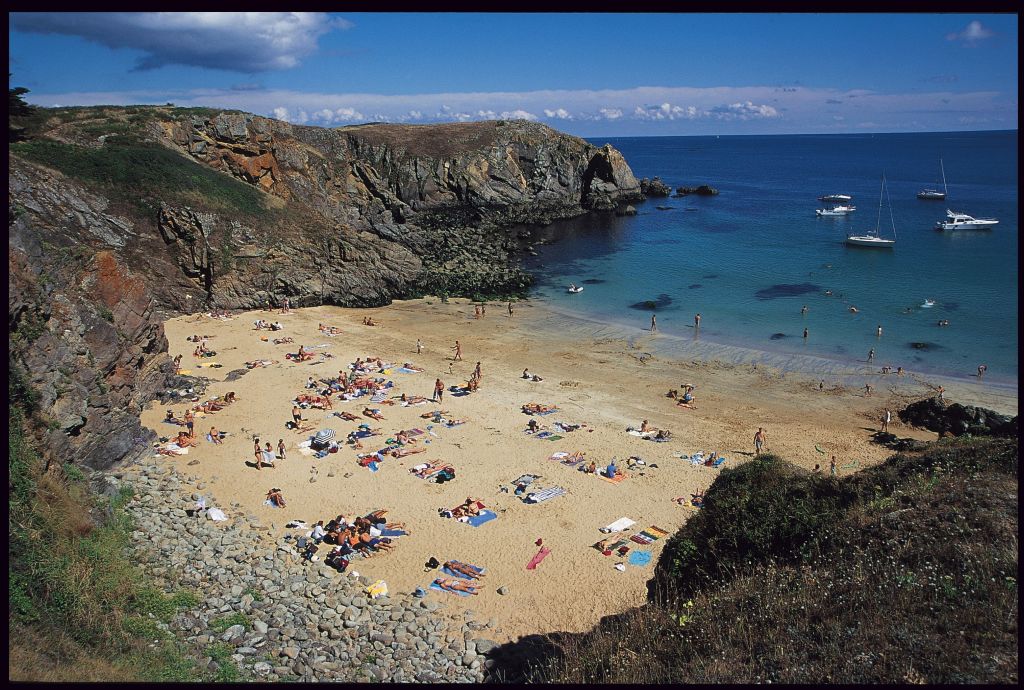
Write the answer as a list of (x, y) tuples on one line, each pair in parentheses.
[(377, 589), (526, 479), (608, 550), (555, 437), (619, 525), (452, 573), (718, 462), (415, 432), (213, 365), (545, 494), (551, 411), (601, 475), (393, 533), (270, 503), (542, 434), (379, 397), (185, 372), (535, 561), (434, 585), (403, 370), (216, 514), (484, 516), (640, 558), (634, 432), (651, 534)]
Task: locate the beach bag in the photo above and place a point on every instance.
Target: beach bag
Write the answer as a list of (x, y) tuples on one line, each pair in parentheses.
[(377, 589)]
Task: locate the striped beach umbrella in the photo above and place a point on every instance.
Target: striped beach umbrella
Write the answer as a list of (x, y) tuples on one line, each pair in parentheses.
[(324, 435)]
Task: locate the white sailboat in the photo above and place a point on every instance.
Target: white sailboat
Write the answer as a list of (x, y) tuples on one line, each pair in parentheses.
[(934, 194), (871, 238)]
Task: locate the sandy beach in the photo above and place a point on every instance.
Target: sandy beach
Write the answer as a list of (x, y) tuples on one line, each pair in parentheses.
[(605, 377)]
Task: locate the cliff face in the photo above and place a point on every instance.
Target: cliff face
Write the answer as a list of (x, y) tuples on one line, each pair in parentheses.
[(120, 213)]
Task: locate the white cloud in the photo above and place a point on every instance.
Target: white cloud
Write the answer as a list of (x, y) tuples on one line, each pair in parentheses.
[(245, 42), (974, 31), (679, 110), (557, 114)]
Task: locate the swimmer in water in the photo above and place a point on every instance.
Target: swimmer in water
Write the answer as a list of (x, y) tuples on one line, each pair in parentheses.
[(828, 293), (854, 309)]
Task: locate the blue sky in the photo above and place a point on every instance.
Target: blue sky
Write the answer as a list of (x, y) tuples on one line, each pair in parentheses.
[(587, 74)]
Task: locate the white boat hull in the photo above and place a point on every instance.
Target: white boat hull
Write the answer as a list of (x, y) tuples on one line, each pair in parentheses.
[(870, 241), (976, 224), (932, 196)]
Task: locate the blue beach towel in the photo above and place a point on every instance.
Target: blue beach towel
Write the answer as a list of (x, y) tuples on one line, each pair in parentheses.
[(373, 466), (639, 557), (403, 370), (718, 462), (393, 533), (452, 573), (484, 516), (544, 414)]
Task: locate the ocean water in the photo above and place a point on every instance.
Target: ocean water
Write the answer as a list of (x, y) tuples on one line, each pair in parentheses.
[(749, 259)]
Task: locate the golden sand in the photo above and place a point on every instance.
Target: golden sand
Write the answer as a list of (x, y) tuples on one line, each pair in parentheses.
[(594, 375)]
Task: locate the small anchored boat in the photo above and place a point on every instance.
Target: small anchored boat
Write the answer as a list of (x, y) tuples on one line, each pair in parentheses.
[(871, 238), (573, 288), (838, 198), (839, 210)]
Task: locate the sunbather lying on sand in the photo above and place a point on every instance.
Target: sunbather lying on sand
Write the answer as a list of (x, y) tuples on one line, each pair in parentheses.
[(463, 569), (454, 422), (330, 330), (347, 416), (537, 408), (435, 413), (456, 585), (413, 399), (409, 366), (184, 440), (403, 452), (373, 413), (321, 402), (256, 363), (470, 508), (283, 341), (300, 426), (167, 451)]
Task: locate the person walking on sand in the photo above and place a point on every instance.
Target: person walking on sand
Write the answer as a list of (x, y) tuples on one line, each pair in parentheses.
[(458, 351), (476, 372), (832, 466), (259, 454), (510, 310), (886, 418), (696, 320), (759, 439), (438, 390), (280, 448), (654, 323), (419, 346)]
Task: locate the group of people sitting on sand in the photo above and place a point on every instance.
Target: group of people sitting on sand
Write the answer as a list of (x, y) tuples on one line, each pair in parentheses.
[(261, 325), (362, 536), (223, 314), (329, 330), (203, 351), (368, 321), (531, 377), (685, 399), (320, 402), (275, 497)]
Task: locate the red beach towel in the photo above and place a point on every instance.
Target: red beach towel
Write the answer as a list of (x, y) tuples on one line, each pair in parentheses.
[(541, 555)]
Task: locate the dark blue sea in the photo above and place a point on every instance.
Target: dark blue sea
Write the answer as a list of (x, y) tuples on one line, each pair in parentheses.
[(748, 259)]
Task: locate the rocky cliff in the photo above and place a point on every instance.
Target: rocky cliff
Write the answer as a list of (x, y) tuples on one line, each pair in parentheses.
[(121, 216)]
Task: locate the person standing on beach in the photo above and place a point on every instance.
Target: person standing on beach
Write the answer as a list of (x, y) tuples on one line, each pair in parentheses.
[(177, 365), (821, 385), (886, 418), (458, 351), (280, 448), (696, 320), (438, 390), (871, 355), (510, 310), (867, 389), (259, 454), (190, 421), (654, 323), (476, 372), (832, 466), (419, 346), (476, 311), (759, 439)]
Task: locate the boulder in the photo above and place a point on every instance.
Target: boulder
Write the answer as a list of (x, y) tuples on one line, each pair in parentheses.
[(956, 419)]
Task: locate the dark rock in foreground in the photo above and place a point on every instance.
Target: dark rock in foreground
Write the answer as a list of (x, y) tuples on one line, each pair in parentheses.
[(627, 211)]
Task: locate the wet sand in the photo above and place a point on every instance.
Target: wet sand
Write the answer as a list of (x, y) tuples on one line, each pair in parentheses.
[(607, 377)]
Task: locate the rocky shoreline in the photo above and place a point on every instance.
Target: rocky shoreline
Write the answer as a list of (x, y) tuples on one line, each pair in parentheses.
[(303, 621)]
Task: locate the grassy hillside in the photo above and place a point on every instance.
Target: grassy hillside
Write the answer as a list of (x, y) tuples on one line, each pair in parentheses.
[(79, 608), (905, 572)]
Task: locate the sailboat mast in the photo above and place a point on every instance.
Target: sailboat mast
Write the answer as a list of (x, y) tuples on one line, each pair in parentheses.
[(891, 219), (881, 190), (943, 169)]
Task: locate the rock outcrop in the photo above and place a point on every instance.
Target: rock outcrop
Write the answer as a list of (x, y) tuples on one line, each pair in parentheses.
[(702, 190), (956, 419), (654, 188)]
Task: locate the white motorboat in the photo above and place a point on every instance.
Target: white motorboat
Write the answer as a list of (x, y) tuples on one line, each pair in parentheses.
[(573, 288), (871, 238), (962, 221), (838, 198), (839, 210), (934, 194)]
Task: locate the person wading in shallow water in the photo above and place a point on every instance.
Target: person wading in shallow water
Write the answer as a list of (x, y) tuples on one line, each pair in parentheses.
[(654, 323)]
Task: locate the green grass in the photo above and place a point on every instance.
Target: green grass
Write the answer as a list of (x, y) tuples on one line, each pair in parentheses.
[(224, 622), (140, 174), (227, 671), (72, 583)]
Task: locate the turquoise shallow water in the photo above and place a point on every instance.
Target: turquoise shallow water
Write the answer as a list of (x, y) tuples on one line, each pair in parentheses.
[(748, 259)]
